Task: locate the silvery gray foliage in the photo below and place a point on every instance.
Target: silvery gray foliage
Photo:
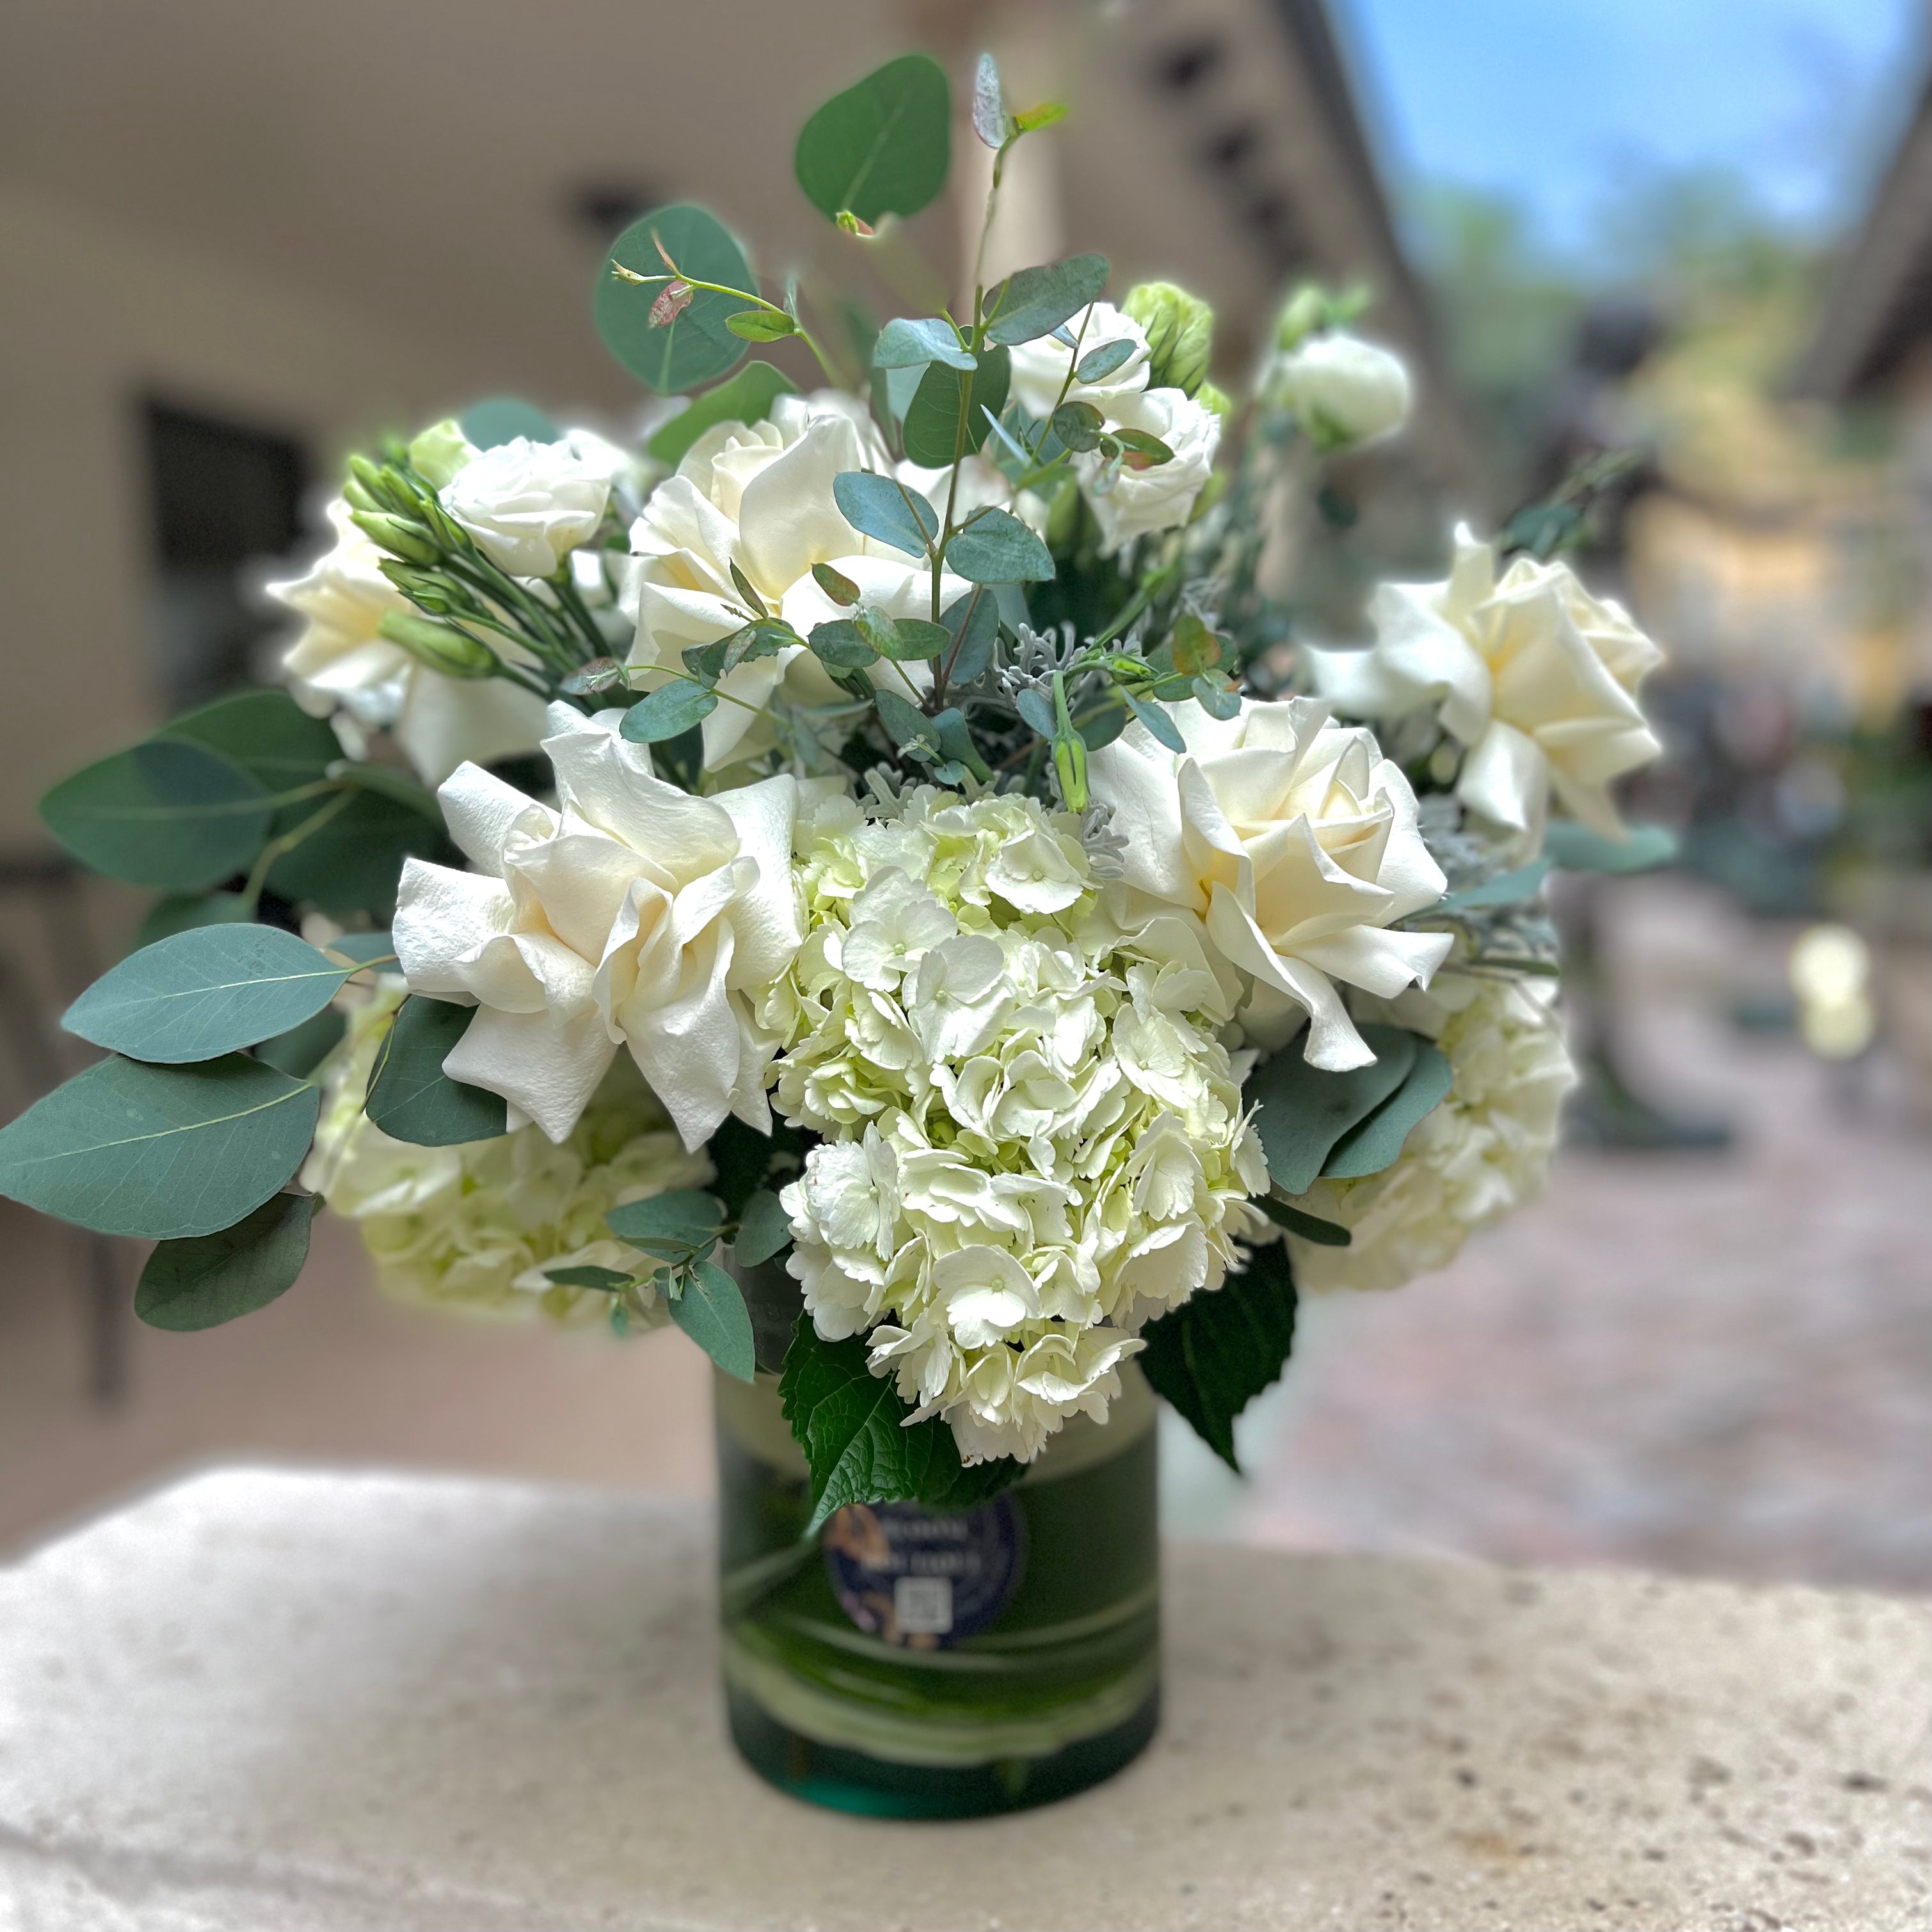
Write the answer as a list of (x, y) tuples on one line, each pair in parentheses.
[(1106, 849)]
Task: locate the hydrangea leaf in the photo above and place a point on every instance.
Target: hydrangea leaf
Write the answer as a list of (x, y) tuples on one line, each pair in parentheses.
[(712, 1312), (205, 1279), (412, 1099), (852, 1425), (159, 1152), (1035, 301), (883, 146), (1213, 1355), (205, 992), (1304, 1110), (1374, 1143), (694, 344)]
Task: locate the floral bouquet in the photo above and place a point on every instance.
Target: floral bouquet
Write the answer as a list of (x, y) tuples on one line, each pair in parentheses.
[(862, 877)]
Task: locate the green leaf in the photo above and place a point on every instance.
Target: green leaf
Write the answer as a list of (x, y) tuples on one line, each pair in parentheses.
[(412, 1099), (973, 620), (884, 507), (607, 1281), (1036, 302), (1030, 120), (1373, 1144), (761, 325), (905, 724), (181, 912), (835, 584), (683, 1220), (664, 712), (397, 786), (881, 148), (706, 662), (1078, 425), (1298, 1221), (166, 813), (932, 419), (269, 736), (697, 344), (1304, 1110), (1152, 452), (712, 1312), (500, 419), (764, 1229), (991, 121), (841, 644), (747, 1160), (1215, 1353), (911, 640), (852, 1427), (354, 863), (203, 1280), (1097, 364), (1218, 699), (1107, 725), (1156, 718), (906, 344), (1506, 888), (159, 1152), (996, 548), (205, 992), (300, 1051), (955, 740), (1578, 849), (747, 397)]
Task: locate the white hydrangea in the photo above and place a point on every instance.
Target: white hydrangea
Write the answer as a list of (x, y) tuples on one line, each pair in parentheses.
[(1035, 1141), (476, 1227), (1480, 1155)]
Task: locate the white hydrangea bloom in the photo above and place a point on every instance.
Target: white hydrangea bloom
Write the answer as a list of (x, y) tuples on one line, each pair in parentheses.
[(475, 1227), (1297, 843), (341, 665), (1536, 678), (1480, 1155), (1037, 1142), (760, 495)]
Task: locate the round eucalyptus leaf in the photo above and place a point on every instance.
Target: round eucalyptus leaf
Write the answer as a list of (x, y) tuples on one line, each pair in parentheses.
[(500, 419), (695, 345), (667, 711), (411, 1098), (206, 1279), (882, 147)]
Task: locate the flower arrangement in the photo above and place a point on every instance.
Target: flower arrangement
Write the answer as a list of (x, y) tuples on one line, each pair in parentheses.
[(862, 877)]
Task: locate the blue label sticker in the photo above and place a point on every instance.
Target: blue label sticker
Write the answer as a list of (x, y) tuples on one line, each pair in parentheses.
[(922, 1578)]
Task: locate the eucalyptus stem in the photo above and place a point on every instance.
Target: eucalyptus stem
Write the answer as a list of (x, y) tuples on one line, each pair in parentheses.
[(276, 848)]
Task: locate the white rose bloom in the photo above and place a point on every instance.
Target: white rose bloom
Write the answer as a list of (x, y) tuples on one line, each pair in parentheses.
[(760, 496), (1296, 842), (1483, 1153), (1535, 677), (1141, 500), (1041, 368), (634, 915), (1344, 391), (528, 504), (339, 663)]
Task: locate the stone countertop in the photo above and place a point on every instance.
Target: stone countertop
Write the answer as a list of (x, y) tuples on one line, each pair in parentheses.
[(312, 1702)]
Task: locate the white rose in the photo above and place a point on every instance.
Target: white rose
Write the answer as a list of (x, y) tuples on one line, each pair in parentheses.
[(340, 663), (1140, 500), (1296, 842), (1042, 367), (528, 504), (760, 495), (635, 914), (1344, 391), (1537, 678)]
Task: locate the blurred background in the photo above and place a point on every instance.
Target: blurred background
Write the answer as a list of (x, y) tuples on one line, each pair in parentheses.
[(239, 240)]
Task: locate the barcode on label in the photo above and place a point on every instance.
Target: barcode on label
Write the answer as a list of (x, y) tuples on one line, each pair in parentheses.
[(922, 1606)]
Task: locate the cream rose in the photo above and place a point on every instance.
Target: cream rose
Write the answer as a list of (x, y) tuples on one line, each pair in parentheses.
[(634, 915), (1535, 677), (1344, 391), (1295, 841)]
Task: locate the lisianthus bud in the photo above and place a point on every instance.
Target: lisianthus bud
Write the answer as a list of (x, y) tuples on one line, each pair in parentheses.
[(1180, 330), (410, 541), (1069, 767), (1343, 391), (442, 647), (1219, 401), (440, 451)]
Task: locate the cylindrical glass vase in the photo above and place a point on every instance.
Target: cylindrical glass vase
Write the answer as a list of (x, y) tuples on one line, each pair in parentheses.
[(907, 1662)]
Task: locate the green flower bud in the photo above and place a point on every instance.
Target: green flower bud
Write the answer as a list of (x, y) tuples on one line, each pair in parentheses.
[(1180, 330), (1063, 513), (409, 541), (1069, 767), (442, 647), (1219, 401), (439, 452)]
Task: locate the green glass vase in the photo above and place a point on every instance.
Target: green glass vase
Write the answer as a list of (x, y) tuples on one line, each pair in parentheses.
[(907, 1662)]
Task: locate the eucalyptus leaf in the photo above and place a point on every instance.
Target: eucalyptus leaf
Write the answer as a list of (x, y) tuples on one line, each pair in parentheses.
[(1299, 1221), (835, 584), (1374, 1143), (1036, 708), (1218, 699), (1156, 718), (1106, 724), (904, 722), (169, 813), (685, 1219), (697, 344), (205, 992), (911, 640), (181, 912), (1304, 1110), (841, 644), (712, 1312), (1151, 449), (905, 344), (300, 1051), (933, 429), (411, 1098), (354, 863), (201, 1281), (764, 1229), (991, 121), (996, 548), (268, 735), (955, 740), (1097, 364), (761, 325), (1078, 425), (159, 1152), (1512, 888), (882, 147), (747, 397), (603, 1280), (1213, 1355), (859, 1443), (500, 419), (884, 507), (1036, 302), (1577, 849), (664, 712), (974, 622)]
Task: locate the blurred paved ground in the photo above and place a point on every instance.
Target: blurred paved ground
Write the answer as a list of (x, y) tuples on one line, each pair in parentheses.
[(1720, 1365)]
